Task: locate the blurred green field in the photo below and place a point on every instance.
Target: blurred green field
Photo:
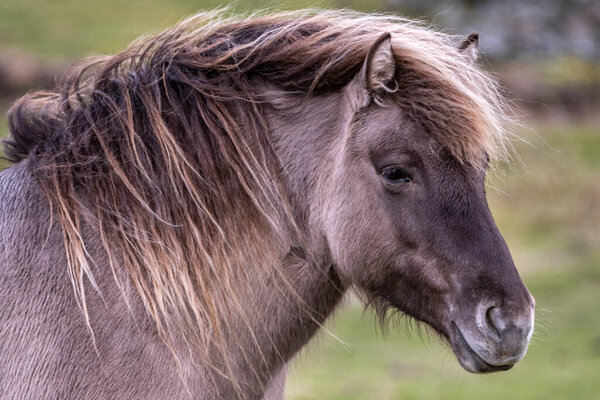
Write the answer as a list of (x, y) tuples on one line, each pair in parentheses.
[(547, 204), (72, 28)]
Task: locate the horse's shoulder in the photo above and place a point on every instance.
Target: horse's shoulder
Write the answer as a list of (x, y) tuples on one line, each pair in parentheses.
[(31, 255), (24, 217), (21, 197), (31, 285)]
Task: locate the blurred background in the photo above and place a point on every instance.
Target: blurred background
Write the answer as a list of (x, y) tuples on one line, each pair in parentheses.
[(546, 201)]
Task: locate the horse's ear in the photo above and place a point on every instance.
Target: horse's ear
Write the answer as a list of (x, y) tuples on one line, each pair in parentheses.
[(380, 65), (469, 47), (376, 75)]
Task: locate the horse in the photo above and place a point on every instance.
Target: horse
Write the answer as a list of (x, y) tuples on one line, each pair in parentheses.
[(181, 218)]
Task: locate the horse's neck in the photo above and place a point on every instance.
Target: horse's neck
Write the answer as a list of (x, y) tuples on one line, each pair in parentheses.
[(286, 321), (302, 134), (291, 316), (281, 315), (304, 131), (281, 321)]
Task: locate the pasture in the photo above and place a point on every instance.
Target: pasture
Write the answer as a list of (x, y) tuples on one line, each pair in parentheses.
[(546, 203)]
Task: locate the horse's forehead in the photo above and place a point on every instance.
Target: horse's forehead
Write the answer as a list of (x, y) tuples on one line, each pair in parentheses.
[(387, 128), (393, 129)]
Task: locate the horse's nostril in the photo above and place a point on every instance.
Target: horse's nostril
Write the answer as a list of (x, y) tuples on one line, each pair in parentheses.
[(494, 320)]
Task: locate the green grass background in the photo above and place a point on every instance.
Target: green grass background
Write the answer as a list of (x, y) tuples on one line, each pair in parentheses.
[(547, 204)]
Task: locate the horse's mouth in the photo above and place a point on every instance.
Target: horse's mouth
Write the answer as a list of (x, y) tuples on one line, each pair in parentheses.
[(468, 358)]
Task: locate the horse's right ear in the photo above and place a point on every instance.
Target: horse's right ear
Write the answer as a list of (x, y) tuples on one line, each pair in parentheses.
[(469, 47)]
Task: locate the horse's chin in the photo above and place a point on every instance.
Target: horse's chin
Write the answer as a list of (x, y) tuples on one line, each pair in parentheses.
[(468, 358)]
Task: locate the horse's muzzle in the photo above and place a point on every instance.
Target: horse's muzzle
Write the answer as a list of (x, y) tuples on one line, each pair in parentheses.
[(491, 341)]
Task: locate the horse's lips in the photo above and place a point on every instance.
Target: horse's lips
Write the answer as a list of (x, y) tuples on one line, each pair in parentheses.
[(468, 358)]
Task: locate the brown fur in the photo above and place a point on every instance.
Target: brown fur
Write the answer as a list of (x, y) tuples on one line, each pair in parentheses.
[(170, 152)]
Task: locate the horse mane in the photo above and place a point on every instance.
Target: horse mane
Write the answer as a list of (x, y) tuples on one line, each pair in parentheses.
[(164, 147)]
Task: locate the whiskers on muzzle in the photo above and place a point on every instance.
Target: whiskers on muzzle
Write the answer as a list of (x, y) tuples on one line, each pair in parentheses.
[(494, 339)]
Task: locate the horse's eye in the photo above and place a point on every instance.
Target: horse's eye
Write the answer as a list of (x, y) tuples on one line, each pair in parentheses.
[(396, 175)]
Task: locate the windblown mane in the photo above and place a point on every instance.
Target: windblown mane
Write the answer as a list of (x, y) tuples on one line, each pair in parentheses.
[(164, 147)]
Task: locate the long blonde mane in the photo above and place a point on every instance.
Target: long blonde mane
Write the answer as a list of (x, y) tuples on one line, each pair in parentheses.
[(165, 150)]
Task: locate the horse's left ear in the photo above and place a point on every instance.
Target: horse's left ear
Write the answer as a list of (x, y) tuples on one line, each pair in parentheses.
[(469, 47), (380, 65), (376, 76)]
